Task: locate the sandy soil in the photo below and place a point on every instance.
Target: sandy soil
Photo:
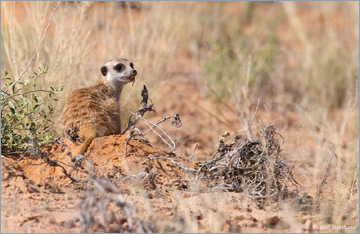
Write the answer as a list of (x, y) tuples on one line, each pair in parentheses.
[(37, 196)]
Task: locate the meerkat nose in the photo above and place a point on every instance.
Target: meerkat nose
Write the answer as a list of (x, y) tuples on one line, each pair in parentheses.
[(133, 72)]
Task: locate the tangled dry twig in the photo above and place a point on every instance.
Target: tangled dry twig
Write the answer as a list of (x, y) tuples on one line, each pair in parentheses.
[(251, 167), (144, 107), (104, 209), (139, 113)]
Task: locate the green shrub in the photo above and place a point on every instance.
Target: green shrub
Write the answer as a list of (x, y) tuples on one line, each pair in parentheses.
[(25, 113)]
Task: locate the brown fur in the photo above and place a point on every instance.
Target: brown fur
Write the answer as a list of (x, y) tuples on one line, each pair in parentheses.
[(92, 112)]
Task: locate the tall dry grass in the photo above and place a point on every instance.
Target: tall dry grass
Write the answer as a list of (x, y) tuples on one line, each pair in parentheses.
[(299, 58), (84, 35)]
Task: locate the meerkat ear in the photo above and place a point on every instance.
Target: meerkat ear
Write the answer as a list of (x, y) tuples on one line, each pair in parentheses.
[(103, 70)]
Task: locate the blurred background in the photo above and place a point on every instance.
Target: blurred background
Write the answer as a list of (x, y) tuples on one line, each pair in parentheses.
[(211, 62)]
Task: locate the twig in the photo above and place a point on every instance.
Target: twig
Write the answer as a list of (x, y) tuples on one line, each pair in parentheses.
[(56, 164), (156, 124), (247, 130), (176, 121), (37, 49), (31, 91), (21, 158), (56, 140), (2, 106), (141, 111), (262, 196), (141, 175), (132, 135), (193, 153), (77, 160), (203, 166), (149, 123), (6, 93), (95, 210), (144, 107), (182, 166)]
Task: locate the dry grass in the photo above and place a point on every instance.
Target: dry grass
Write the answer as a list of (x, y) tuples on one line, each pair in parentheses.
[(87, 33), (300, 59)]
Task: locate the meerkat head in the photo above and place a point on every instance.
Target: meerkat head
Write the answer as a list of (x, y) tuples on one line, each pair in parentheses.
[(118, 72)]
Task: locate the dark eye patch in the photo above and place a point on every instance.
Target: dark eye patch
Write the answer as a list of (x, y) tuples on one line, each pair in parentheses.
[(131, 65), (119, 67)]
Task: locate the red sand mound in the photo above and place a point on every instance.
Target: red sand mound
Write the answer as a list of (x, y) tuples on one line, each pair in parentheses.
[(107, 156)]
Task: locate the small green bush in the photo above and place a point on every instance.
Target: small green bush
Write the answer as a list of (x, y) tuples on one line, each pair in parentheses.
[(25, 113)]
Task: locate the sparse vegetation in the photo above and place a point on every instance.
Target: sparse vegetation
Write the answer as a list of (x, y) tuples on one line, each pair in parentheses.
[(241, 60), (210, 63), (26, 121)]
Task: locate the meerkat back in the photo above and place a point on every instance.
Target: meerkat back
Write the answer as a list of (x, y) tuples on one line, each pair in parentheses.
[(95, 111)]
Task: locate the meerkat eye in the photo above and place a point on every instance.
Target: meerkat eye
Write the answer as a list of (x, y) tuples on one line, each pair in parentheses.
[(131, 65), (119, 67)]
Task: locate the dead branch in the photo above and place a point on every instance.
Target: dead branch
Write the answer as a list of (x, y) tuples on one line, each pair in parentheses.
[(144, 107), (156, 124), (152, 127), (176, 121), (139, 112), (132, 135), (173, 160), (103, 207), (248, 166)]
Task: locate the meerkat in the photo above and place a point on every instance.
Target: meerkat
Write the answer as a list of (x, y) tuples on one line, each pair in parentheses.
[(95, 111)]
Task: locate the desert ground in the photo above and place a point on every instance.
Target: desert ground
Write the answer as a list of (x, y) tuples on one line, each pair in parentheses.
[(251, 123)]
